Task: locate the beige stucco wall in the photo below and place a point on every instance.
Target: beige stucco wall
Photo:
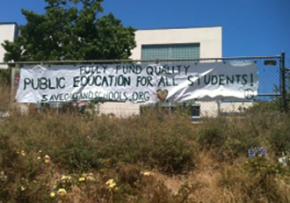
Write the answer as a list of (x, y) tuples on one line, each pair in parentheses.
[(7, 32), (210, 40), (208, 108), (230, 107), (214, 107), (121, 110)]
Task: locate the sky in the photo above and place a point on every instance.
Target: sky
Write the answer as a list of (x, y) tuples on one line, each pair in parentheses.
[(250, 27)]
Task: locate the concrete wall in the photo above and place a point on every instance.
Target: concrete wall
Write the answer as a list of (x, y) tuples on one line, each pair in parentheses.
[(234, 107), (210, 40), (121, 110), (214, 107), (7, 32)]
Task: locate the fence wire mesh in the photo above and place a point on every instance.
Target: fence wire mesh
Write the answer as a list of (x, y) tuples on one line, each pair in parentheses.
[(269, 74)]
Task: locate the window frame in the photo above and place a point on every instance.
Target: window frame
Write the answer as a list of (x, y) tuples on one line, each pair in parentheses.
[(170, 46)]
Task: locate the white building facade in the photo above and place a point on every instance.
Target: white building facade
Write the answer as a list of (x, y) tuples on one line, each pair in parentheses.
[(207, 42), (7, 32)]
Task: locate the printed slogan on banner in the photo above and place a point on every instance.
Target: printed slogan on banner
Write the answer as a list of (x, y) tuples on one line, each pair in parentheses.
[(137, 83)]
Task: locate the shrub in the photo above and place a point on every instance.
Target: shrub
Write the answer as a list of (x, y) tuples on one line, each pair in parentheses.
[(257, 180), (211, 137), (5, 75), (173, 154), (80, 143), (22, 173), (280, 135), (4, 98), (118, 149)]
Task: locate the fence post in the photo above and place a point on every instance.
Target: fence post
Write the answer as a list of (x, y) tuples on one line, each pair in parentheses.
[(283, 82), (14, 70)]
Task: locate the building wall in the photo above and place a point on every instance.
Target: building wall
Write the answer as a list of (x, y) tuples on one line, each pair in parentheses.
[(210, 40), (7, 32)]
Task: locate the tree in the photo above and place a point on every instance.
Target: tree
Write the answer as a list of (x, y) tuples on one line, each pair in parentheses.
[(71, 30)]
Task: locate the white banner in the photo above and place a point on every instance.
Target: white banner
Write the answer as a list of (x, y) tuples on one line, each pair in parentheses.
[(137, 83)]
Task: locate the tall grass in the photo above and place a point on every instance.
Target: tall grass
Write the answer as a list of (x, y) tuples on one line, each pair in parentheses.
[(79, 142), (4, 97), (211, 157)]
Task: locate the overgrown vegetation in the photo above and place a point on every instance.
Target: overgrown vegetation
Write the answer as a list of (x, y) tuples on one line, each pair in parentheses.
[(4, 97), (5, 75), (156, 157)]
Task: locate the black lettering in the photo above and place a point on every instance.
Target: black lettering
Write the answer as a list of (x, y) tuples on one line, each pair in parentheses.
[(222, 79), (76, 81), (207, 79), (27, 81), (252, 79), (214, 80), (244, 79), (230, 79), (44, 98), (186, 69), (238, 77)]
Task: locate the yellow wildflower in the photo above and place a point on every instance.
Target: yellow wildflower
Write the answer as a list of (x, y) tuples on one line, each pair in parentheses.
[(38, 158), (111, 184), (3, 177), (61, 192), (22, 188), (65, 178), (47, 159), (52, 194), (23, 153), (91, 178), (146, 173), (82, 179)]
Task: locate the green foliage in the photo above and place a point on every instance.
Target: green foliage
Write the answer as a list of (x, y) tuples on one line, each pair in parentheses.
[(102, 141), (265, 177), (262, 167), (280, 137), (5, 77), (173, 153), (256, 180), (227, 139), (212, 136), (22, 173), (71, 30)]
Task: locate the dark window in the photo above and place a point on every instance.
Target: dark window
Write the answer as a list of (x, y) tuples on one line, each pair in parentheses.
[(171, 51), (195, 111)]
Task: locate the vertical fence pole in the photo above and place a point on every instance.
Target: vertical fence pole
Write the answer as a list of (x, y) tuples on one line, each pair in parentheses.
[(283, 82), (14, 70), (12, 82)]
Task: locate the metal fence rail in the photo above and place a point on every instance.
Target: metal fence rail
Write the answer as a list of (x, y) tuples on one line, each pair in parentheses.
[(272, 73)]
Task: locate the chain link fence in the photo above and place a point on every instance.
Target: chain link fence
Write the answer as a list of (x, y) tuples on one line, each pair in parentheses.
[(272, 73)]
